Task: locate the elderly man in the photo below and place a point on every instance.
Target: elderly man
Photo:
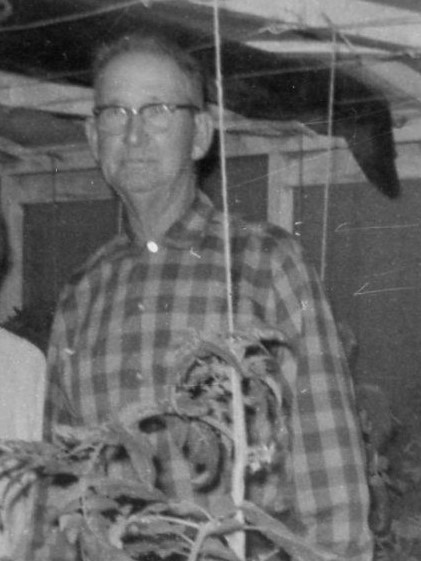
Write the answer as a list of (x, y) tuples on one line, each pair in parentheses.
[(121, 317)]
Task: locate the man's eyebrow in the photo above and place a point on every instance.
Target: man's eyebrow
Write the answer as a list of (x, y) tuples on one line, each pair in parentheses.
[(114, 101)]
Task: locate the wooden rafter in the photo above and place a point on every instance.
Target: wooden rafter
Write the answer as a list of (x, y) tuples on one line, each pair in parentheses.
[(21, 91)]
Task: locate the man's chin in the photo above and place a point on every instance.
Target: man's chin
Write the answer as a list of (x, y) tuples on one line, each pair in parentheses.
[(140, 181), (137, 187)]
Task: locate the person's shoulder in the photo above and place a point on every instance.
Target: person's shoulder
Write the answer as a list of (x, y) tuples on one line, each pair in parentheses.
[(105, 254), (257, 236), (19, 346), (90, 272), (267, 237), (273, 234)]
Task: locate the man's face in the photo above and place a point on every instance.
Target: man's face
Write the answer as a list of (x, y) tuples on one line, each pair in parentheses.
[(139, 161)]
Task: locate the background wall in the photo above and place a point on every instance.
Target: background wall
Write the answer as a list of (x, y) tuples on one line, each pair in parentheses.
[(373, 279), (373, 265)]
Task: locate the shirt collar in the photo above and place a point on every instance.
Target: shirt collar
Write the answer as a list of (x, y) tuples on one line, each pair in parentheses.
[(193, 225), (186, 233)]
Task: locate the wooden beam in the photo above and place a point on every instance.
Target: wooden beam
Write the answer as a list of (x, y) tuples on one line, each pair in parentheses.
[(27, 154), (22, 91)]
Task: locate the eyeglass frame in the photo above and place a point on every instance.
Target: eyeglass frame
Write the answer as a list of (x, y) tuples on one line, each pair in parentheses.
[(130, 112)]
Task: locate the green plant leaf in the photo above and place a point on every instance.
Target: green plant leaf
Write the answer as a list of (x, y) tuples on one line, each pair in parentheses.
[(215, 549), (227, 526), (223, 507), (162, 550), (115, 488), (203, 452), (140, 451), (182, 509), (96, 549), (295, 545), (185, 405), (154, 527), (71, 525), (100, 503)]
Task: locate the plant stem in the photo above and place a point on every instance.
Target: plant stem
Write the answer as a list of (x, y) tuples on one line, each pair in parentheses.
[(171, 519), (237, 539), (204, 531)]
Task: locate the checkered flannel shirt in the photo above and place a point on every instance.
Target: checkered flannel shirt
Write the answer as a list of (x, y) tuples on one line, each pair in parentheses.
[(119, 321)]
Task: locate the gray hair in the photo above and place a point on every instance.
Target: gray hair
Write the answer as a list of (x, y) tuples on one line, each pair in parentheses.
[(155, 44)]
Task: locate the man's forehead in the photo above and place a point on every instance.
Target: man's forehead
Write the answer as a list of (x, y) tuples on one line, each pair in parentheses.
[(147, 65), (141, 62), (144, 73)]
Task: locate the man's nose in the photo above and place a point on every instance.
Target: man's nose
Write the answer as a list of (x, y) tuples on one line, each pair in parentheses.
[(135, 131)]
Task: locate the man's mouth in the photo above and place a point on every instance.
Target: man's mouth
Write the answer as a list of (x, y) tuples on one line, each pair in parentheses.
[(137, 161)]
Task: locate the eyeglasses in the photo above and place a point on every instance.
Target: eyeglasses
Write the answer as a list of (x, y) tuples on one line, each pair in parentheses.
[(156, 116)]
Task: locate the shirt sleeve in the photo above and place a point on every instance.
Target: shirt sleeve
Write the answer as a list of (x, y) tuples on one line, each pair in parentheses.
[(330, 491), (58, 407)]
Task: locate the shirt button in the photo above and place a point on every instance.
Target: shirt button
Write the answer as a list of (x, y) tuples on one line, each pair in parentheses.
[(152, 246), (141, 307)]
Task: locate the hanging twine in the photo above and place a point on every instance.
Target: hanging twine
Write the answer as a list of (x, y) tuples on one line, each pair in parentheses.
[(55, 225), (222, 158), (329, 158), (236, 539)]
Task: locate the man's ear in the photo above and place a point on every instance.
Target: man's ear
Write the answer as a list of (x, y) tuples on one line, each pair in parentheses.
[(203, 134), (92, 136)]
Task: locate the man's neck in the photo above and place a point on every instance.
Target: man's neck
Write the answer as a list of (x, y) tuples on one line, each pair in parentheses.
[(150, 222)]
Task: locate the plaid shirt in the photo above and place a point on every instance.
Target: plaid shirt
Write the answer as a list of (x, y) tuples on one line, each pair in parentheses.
[(119, 321)]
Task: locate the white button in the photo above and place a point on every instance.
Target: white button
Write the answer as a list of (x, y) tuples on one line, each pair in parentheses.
[(152, 246)]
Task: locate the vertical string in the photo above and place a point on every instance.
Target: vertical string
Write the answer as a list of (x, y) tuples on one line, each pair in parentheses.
[(298, 200), (54, 172), (236, 539), (222, 158), (329, 158)]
